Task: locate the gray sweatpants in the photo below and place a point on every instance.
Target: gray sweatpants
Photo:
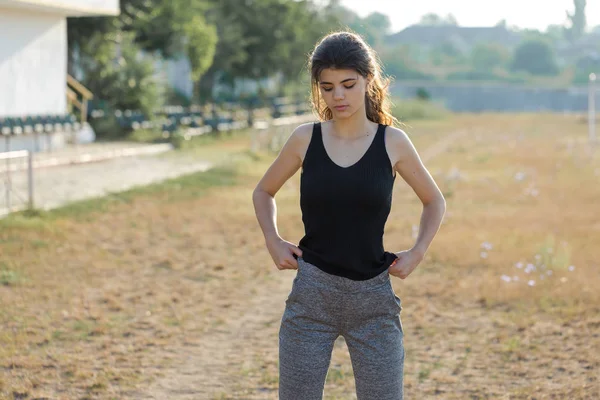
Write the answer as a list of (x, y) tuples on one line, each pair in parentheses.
[(320, 307)]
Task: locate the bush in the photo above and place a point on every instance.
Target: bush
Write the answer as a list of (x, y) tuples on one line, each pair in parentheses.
[(107, 127), (423, 94), (121, 76), (535, 56), (406, 110)]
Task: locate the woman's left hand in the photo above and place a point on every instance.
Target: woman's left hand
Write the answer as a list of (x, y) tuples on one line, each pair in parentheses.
[(406, 263)]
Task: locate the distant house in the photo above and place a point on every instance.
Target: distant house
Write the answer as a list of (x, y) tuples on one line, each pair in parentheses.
[(33, 63), (33, 52), (465, 38)]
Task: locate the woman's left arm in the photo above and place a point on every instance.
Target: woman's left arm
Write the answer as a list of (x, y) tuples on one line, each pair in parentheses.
[(412, 170)]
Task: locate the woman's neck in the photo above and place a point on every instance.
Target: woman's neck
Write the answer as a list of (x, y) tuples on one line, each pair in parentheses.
[(355, 126)]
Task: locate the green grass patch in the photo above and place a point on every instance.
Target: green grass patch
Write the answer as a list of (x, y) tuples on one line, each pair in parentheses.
[(8, 275), (410, 110)]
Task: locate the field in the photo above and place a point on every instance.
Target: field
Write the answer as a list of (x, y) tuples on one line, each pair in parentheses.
[(168, 292)]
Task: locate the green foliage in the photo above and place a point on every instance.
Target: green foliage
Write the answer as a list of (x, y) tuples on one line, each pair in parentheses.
[(423, 94), (398, 64), (116, 72), (147, 136), (407, 110), (261, 38), (107, 127), (446, 53), (433, 19), (201, 45), (555, 33), (588, 63), (577, 20), (536, 57), (487, 56), (159, 27)]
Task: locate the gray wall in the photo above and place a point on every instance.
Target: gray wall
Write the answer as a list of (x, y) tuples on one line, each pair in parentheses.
[(500, 97)]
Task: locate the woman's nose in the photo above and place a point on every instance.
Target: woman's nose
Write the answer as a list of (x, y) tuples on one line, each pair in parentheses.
[(338, 94)]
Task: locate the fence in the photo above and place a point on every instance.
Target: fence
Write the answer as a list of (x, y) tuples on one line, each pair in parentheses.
[(480, 97), (11, 162), (21, 174)]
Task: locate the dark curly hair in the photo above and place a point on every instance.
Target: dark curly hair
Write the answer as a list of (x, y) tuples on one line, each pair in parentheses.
[(348, 50)]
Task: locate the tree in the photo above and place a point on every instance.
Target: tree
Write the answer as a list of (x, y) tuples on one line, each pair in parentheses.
[(433, 19), (165, 27), (120, 79), (502, 23), (487, 56), (379, 21), (397, 63), (372, 28), (260, 38), (534, 56), (447, 52), (577, 20), (555, 33)]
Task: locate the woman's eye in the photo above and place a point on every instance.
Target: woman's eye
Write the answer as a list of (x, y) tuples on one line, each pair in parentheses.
[(328, 89)]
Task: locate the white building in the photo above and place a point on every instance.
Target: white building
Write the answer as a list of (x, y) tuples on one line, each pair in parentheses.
[(33, 53)]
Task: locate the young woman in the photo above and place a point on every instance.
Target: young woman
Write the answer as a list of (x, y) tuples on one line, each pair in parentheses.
[(342, 286)]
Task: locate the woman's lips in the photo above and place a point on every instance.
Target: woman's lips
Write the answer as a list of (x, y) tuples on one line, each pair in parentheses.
[(340, 108)]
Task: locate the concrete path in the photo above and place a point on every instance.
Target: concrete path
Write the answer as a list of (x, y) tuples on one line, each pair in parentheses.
[(89, 171)]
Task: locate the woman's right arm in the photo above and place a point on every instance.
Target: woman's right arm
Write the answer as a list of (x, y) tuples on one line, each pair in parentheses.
[(284, 167)]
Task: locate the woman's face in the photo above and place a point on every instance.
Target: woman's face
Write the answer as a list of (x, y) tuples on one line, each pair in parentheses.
[(343, 90)]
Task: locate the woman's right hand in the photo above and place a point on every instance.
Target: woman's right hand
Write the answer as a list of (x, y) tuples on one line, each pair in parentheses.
[(282, 252)]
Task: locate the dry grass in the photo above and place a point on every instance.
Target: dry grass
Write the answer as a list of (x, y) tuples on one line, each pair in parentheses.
[(172, 286)]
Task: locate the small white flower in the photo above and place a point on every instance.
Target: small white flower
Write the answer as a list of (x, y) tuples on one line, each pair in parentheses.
[(530, 268), (532, 191), (549, 272), (531, 282), (486, 245), (571, 268), (519, 176), (505, 278), (519, 265), (537, 257), (483, 254)]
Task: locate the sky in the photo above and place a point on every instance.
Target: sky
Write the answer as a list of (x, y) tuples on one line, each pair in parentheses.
[(535, 14)]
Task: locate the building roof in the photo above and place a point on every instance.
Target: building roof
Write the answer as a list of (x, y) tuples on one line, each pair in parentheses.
[(436, 34), (71, 8)]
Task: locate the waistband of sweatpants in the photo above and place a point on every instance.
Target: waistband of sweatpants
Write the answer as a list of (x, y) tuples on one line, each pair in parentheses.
[(316, 276)]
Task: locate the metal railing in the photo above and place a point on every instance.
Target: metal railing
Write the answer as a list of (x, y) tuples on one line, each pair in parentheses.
[(73, 96), (7, 158)]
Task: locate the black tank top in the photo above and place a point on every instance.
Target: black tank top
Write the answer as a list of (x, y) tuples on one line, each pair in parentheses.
[(344, 209)]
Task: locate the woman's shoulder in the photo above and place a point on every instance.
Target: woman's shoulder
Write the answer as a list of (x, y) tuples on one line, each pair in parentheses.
[(302, 133), (397, 143), (396, 136)]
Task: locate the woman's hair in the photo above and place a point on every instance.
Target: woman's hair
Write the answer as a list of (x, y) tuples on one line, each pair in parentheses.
[(347, 50)]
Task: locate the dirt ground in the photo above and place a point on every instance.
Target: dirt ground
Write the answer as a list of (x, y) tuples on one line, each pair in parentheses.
[(175, 297)]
